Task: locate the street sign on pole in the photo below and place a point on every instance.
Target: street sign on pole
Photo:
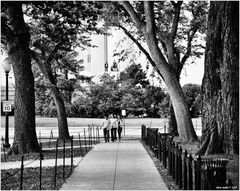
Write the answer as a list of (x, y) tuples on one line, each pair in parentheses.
[(7, 106), (124, 112)]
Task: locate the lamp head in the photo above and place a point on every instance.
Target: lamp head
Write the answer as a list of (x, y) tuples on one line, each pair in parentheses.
[(7, 65)]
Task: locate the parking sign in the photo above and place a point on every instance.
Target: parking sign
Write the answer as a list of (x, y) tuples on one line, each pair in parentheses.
[(124, 112), (7, 107)]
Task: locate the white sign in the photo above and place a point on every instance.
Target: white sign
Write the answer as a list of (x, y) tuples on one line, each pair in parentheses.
[(123, 112), (7, 106)]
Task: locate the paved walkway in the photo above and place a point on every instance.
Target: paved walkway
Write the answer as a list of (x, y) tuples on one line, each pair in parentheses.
[(116, 166)]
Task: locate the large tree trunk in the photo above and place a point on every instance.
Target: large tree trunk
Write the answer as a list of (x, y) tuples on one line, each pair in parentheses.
[(61, 114), (63, 132), (172, 123), (25, 139), (180, 107), (168, 73), (220, 122), (181, 110)]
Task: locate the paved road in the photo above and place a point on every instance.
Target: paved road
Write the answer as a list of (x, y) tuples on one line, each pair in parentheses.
[(116, 166)]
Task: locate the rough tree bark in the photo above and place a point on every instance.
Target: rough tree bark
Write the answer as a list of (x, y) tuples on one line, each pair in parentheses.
[(172, 123), (63, 132), (169, 74), (220, 85), (18, 37)]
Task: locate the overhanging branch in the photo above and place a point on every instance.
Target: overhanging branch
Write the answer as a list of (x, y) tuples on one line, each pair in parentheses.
[(149, 13), (46, 69), (133, 14), (177, 7), (141, 48), (189, 45)]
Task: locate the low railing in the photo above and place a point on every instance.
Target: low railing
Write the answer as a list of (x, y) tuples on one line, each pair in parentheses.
[(86, 142), (188, 172)]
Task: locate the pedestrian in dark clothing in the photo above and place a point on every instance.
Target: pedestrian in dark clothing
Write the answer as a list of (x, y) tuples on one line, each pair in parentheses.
[(113, 128), (119, 129), (106, 126)]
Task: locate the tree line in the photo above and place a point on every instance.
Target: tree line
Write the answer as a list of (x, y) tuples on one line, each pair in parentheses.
[(131, 91)]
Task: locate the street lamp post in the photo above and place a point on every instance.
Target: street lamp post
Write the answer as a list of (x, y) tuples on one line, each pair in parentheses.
[(7, 69)]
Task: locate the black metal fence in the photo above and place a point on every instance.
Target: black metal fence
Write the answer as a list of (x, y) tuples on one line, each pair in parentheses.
[(89, 140), (188, 172)]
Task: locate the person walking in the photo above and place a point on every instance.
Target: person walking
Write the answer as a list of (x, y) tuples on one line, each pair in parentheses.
[(113, 127), (119, 129), (106, 127)]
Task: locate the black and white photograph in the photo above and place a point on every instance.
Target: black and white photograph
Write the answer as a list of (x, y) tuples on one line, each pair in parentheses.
[(119, 95)]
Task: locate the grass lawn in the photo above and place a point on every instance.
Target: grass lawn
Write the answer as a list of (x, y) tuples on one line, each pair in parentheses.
[(44, 126), (10, 179), (31, 180), (49, 151)]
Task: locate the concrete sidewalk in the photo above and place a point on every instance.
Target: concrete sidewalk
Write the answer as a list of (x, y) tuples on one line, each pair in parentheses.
[(116, 166)]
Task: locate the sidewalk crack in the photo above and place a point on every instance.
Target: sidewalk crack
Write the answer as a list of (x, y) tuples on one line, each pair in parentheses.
[(115, 172)]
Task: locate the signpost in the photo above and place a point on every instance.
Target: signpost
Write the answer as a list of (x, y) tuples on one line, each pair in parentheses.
[(124, 115), (7, 106)]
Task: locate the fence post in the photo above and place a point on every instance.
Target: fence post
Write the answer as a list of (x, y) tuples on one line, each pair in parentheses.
[(159, 155), (184, 169), (63, 159), (165, 151), (40, 137), (147, 140), (173, 161), (176, 164), (55, 172), (89, 141), (40, 168), (91, 131), (71, 153), (50, 138), (151, 138), (180, 168), (21, 177), (95, 134), (85, 140), (94, 137), (79, 137), (170, 158), (204, 178), (98, 136), (197, 170), (189, 172), (89, 136)]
